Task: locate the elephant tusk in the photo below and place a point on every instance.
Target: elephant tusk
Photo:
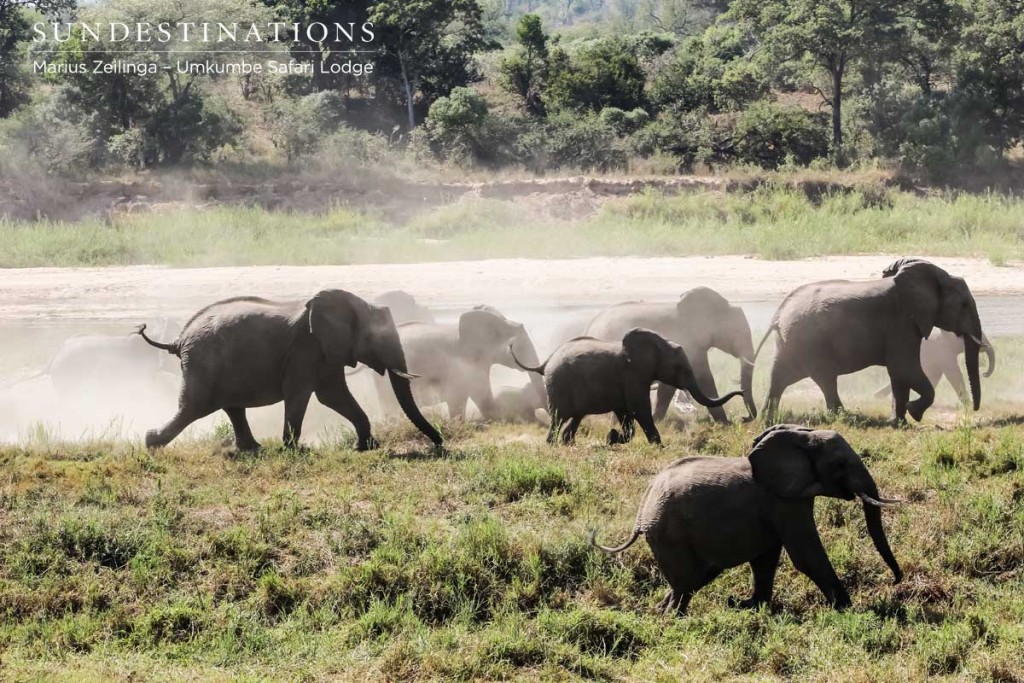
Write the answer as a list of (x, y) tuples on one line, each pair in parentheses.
[(747, 362), (977, 341), (879, 503), (404, 375)]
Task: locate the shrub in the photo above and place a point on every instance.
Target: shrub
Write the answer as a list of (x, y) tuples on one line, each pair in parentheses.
[(769, 135), (604, 73), (571, 141), (460, 127), (298, 125)]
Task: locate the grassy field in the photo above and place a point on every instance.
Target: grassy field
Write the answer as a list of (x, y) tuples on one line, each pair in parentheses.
[(406, 564), (772, 223)]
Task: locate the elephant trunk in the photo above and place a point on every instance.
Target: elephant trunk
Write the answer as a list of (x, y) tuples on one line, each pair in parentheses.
[(403, 392), (706, 401), (873, 517), (747, 385), (990, 353), (971, 352)]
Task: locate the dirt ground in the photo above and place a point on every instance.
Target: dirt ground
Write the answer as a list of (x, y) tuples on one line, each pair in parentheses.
[(128, 293)]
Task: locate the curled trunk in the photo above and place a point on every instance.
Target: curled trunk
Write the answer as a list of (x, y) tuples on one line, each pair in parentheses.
[(708, 402), (403, 392), (990, 353), (971, 353), (873, 518)]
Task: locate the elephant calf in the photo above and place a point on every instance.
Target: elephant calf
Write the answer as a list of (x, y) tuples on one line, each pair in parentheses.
[(701, 516), (586, 376), (940, 358)]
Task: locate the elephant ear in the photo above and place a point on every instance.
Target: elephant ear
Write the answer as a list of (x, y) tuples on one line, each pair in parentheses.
[(484, 333), (334, 321), (895, 266), (920, 293), (782, 461), (643, 350)]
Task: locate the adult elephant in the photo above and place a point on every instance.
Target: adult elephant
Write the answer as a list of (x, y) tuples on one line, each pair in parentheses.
[(455, 360), (248, 352), (702, 319), (836, 327), (701, 516)]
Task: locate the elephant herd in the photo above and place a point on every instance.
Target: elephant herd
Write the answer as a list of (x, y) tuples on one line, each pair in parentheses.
[(247, 352)]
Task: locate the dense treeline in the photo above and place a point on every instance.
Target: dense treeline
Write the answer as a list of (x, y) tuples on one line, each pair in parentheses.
[(930, 85)]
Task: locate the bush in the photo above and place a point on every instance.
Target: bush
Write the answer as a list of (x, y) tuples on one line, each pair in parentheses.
[(770, 135), (605, 73), (570, 141), (298, 125), (689, 137), (460, 128)]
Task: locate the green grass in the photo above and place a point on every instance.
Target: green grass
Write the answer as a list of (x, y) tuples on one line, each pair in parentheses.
[(404, 564), (777, 223)]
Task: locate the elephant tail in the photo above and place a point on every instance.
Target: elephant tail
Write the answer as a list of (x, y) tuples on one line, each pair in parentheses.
[(169, 348), (773, 328), (618, 549), (539, 369)]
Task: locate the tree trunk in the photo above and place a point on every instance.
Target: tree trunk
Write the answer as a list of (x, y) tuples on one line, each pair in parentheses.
[(837, 110), (408, 92)]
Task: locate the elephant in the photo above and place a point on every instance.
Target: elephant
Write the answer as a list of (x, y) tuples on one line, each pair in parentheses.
[(404, 307), (455, 360), (939, 358), (106, 362), (516, 404), (702, 319), (837, 327), (702, 515), (247, 352), (587, 376)]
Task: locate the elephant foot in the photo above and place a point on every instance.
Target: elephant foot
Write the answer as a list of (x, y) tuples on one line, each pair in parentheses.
[(665, 601), (368, 444), (247, 446), (153, 439), (617, 437), (916, 410), (840, 601)]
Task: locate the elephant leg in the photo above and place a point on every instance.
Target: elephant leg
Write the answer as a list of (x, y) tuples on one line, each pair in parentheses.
[(191, 407), (244, 440), (339, 399), (556, 426), (706, 383), (763, 568), (294, 413), (794, 521), (638, 404), (956, 379), (457, 403), (915, 379), (572, 425), (829, 386), (683, 571), (781, 378), (663, 399), (626, 425)]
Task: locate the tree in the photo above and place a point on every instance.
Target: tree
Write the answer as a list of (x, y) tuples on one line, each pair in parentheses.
[(605, 73), (14, 31), (829, 35), (524, 70), (432, 44)]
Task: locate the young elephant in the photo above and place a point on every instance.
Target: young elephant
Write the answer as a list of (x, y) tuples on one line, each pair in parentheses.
[(940, 358), (248, 352), (586, 376), (701, 516)]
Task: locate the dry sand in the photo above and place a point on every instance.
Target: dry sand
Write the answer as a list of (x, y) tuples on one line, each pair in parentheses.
[(133, 293)]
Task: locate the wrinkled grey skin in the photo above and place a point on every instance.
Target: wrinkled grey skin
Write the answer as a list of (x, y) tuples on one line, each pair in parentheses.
[(701, 320), (404, 307), (587, 376), (454, 360), (836, 327), (248, 352), (107, 362), (940, 358), (701, 516)]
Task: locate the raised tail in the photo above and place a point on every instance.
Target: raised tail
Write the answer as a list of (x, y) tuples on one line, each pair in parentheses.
[(773, 328), (169, 348), (617, 549), (539, 369)]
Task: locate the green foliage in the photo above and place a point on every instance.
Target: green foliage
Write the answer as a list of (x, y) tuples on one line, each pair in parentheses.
[(523, 71), (299, 126), (460, 128), (568, 140), (603, 73), (769, 135)]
